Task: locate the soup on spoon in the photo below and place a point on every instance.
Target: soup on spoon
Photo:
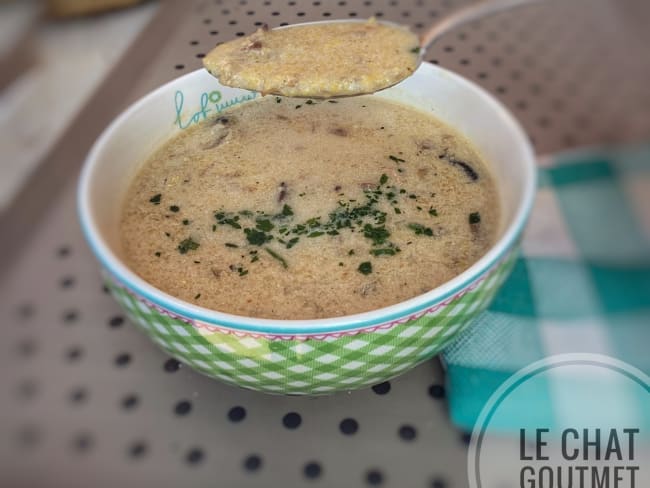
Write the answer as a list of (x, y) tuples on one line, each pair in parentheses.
[(318, 60)]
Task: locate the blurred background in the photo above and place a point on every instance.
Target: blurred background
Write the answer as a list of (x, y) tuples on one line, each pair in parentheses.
[(85, 400)]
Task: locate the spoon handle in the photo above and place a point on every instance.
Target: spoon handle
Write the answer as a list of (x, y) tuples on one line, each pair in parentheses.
[(467, 14)]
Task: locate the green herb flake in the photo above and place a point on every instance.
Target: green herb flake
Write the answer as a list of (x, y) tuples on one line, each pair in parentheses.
[(174, 208), (433, 212), (242, 271), (341, 264), (309, 102), (197, 296), (416, 50), (315, 234), (287, 211), (387, 251), (396, 159), (474, 218), (278, 100), (420, 229), (276, 256), (157, 254), (230, 244), (378, 235), (256, 237), (156, 199), (255, 258), (264, 225), (186, 222), (365, 268), (187, 245), (298, 106), (332, 101), (383, 179), (214, 227), (351, 252)]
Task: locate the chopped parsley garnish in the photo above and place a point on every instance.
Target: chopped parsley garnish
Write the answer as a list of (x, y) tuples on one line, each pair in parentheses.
[(264, 225), (230, 244), (383, 179), (396, 159), (332, 101), (377, 235), (433, 212), (276, 256), (256, 237), (474, 218), (187, 245), (174, 208), (298, 106), (386, 251), (416, 50), (365, 268), (157, 254), (309, 102), (287, 211), (420, 229), (186, 222), (156, 199), (278, 99)]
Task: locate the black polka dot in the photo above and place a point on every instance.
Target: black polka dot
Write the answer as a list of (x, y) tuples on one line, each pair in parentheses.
[(194, 456), (183, 408), (374, 477), (63, 251), (464, 61), (82, 442), (407, 433), (449, 49), (349, 426), (179, 66), (237, 414), (26, 348), (70, 316), (28, 436), (130, 401), (232, 22), (194, 43), (171, 365), (137, 450), (252, 462), (438, 482), (78, 395), (122, 359), (465, 437), (437, 391), (105, 289), (242, 34), (214, 33), (382, 388), (300, 14), (27, 389), (67, 282), (116, 321), (292, 420), (200, 55), (207, 21), (275, 14), (74, 353), (26, 310), (312, 470), (326, 14)]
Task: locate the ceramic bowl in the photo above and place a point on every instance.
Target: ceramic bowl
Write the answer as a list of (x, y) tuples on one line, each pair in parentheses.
[(305, 356)]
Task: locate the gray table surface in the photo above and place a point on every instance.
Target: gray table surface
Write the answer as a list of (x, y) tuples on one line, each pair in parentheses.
[(72, 414)]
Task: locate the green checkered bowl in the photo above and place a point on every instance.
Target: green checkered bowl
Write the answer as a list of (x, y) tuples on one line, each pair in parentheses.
[(304, 356)]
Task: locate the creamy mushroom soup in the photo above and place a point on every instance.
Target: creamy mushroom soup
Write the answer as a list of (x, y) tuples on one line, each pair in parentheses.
[(298, 209)]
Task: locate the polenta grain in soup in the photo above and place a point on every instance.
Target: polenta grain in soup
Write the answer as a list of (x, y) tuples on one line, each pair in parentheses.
[(298, 209), (318, 60)]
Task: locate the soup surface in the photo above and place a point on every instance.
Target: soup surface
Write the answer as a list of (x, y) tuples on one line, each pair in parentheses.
[(297, 209), (319, 60)]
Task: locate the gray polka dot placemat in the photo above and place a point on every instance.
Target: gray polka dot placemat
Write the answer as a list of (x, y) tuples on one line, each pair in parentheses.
[(86, 400)]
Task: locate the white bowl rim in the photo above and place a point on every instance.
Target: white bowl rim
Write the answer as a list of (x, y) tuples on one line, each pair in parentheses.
[(345, 323)]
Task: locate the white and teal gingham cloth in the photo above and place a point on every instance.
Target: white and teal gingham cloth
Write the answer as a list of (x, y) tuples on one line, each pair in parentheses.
[(581, 284)]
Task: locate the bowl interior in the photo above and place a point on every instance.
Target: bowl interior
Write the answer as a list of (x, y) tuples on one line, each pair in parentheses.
[(133, 136)]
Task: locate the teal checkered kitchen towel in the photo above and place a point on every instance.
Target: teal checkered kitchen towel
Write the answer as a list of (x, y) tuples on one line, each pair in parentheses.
[(582, 283)]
